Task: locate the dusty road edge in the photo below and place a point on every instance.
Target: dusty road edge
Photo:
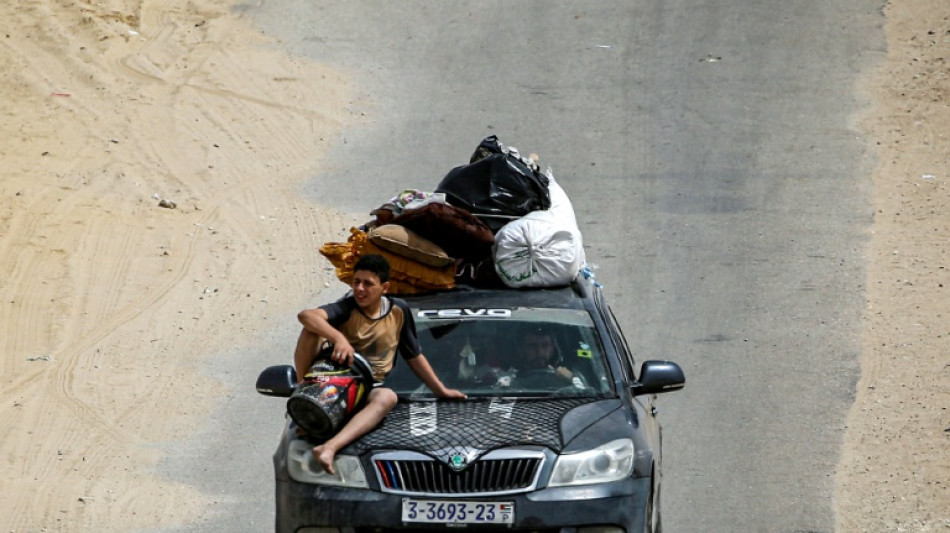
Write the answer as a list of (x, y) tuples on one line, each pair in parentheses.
[(894, 469)]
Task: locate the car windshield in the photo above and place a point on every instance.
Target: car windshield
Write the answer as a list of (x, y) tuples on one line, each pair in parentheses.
[(523, 352)]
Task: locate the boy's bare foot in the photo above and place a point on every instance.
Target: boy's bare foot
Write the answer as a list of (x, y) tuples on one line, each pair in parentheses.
[(325, 457)]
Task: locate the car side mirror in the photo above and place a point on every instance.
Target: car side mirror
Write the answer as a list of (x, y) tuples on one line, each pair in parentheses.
[(657, 377), (279, 380)]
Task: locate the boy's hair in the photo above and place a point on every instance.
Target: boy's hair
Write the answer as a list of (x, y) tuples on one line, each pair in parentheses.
[(374, 263)]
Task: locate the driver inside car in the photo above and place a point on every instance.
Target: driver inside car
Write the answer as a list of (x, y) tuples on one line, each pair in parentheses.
[(538, 353), (534, 364), (537, 364)]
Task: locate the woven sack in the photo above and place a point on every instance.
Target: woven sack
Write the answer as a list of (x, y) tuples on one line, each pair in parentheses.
[(404, 242)]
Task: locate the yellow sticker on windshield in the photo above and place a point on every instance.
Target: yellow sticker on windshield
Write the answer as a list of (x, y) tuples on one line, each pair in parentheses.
[(586, 354)]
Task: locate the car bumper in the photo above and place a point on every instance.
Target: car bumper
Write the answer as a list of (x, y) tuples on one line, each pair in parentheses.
[(619, 505)]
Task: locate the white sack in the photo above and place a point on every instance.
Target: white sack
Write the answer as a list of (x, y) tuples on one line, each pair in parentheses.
[(539, 249), (563, 212), (560, 204)]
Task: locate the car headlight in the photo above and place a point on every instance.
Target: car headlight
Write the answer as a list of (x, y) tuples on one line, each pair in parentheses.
[(305, 469), (609, 462)]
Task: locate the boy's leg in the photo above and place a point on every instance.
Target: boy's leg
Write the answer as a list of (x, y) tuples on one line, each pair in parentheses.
[(380, 401), (305, 352)]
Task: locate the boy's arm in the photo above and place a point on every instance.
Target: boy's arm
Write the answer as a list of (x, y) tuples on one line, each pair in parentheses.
[(420, 365), (316, 321)]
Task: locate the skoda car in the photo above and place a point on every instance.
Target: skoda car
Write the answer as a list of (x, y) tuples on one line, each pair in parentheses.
[(571, 444)]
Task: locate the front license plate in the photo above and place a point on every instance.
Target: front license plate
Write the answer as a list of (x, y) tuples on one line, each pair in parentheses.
[(457, 512)]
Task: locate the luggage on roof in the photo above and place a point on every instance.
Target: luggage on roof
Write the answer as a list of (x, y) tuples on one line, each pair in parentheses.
[(498, 185), (407, 276), (497, 221)]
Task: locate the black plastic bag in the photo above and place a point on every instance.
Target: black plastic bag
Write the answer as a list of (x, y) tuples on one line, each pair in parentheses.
[(489, 145), (497, 186)]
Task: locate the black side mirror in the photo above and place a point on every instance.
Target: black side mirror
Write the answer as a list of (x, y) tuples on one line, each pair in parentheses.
[(659, 376), (280, 380)]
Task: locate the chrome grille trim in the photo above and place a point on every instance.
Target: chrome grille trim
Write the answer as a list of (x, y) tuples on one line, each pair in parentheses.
[(497, 472)]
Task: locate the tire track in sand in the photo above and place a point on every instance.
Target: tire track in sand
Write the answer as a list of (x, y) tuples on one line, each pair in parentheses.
[(188, 106)]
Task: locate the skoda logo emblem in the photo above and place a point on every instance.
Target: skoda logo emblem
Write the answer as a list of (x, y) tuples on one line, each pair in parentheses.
[(457, 462)]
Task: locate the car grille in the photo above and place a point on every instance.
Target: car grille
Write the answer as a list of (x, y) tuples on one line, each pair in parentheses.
[(484, 476), (506, 529)]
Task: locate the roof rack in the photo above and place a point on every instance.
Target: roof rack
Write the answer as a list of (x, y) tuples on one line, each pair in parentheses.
[(582, 284)]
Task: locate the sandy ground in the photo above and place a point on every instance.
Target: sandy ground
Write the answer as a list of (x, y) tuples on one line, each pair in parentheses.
[(109, 302), (894, 473)]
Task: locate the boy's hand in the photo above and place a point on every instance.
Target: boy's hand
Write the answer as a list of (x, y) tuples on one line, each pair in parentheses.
[(452, 394), (343, 353)]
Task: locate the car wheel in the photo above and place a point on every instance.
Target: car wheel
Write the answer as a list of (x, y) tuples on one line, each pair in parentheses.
[(653, 524), (649, 517)]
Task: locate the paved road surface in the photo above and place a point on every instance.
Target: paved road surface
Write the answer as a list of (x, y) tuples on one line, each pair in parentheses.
[(711, 154)]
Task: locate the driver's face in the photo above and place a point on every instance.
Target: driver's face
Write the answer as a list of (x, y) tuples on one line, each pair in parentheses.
[(538, 350)]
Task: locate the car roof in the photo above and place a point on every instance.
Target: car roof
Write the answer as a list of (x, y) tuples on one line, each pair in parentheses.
[(577, 295)]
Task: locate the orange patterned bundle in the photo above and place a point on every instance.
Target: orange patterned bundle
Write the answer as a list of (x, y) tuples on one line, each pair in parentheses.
[(407, 275)]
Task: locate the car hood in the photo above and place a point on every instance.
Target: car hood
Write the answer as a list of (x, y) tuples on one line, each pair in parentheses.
[(474, 427)]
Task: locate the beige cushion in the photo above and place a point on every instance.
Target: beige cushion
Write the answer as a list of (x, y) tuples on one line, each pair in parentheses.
[(403, 241)]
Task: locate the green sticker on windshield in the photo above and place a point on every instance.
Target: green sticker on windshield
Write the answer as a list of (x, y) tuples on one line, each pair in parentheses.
[(586, 354)]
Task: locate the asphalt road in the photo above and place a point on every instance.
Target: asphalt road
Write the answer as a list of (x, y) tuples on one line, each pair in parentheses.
[(711, 153)]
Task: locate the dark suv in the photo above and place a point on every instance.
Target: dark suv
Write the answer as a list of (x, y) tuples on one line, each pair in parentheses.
[(571, 444)]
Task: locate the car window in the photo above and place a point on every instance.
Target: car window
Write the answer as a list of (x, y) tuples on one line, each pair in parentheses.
[(621, 342), (526, 352)]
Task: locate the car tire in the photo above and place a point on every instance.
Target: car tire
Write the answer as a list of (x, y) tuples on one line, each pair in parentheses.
[(652, 521)]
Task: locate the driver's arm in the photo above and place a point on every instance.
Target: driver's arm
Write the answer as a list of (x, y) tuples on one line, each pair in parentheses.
[(564, 372)]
